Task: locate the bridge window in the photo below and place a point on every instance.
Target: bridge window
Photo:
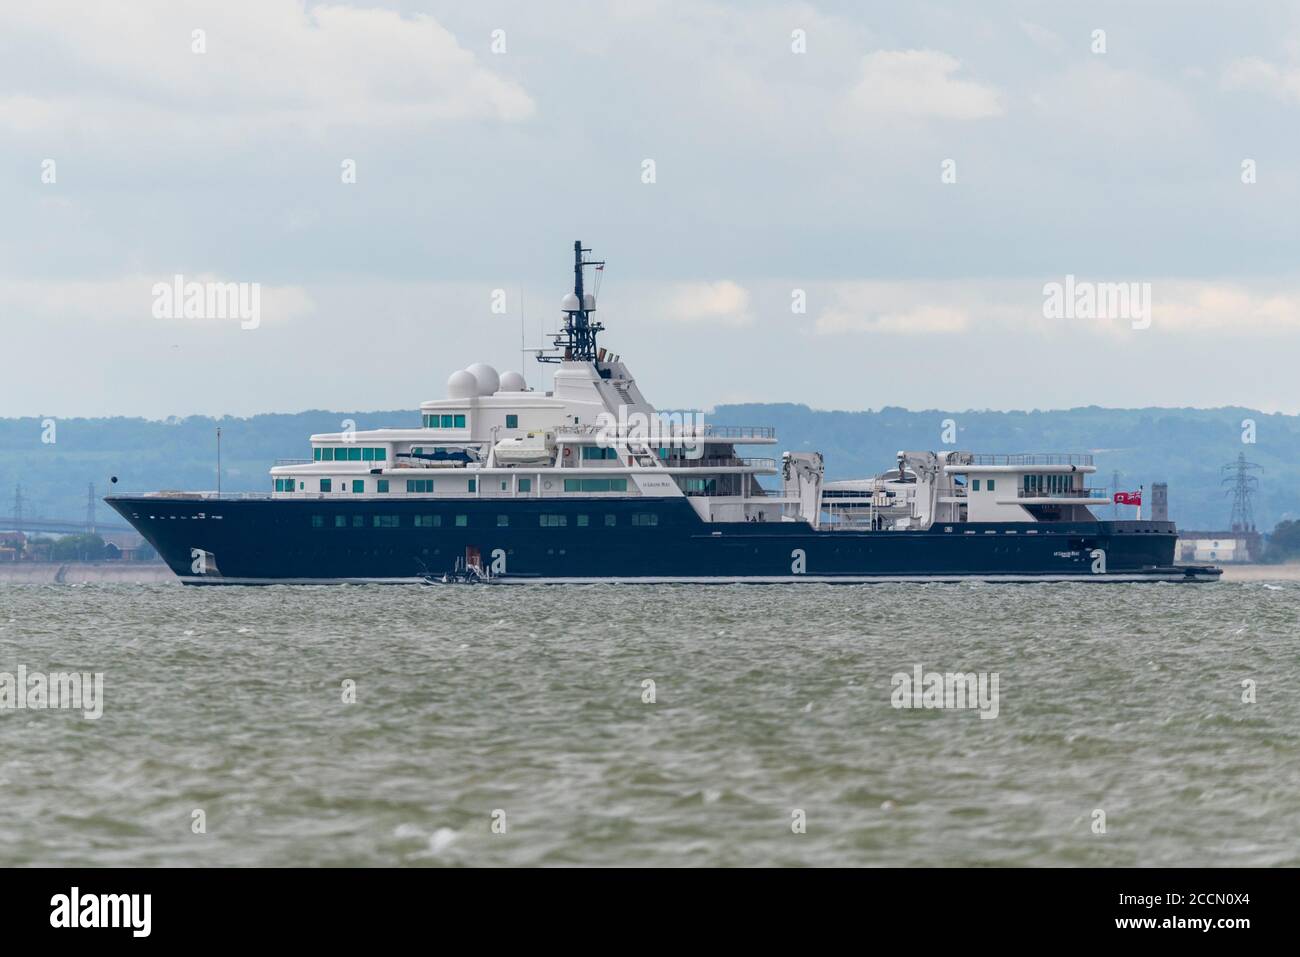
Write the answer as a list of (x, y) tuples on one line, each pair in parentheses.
[(595, 485), (596, 452)]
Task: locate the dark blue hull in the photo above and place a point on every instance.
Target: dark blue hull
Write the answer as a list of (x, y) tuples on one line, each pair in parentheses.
[(264, 541)]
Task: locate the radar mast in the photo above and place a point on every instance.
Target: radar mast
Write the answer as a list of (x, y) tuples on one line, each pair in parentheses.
[(576, 342)]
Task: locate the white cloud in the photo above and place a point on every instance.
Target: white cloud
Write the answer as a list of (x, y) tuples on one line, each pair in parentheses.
[(1257, 75), (128, 299), (267, 62), (722, 302), (921, 320), (1042, 37), (1179, 307), (1095, 102), (920, 84)]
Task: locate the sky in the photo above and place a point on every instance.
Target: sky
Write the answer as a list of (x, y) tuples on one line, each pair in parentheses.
[(848, 205)]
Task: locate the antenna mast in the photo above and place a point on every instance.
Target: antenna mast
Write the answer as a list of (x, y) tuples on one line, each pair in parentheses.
[(576, 342)]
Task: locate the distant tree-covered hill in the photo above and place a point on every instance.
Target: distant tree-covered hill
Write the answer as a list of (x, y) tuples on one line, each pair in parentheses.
[(1184, 447)]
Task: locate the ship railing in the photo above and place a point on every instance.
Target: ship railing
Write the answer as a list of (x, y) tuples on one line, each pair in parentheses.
[(672, 430), (1033, 458), (731, 462), (167, 495), (1092, 493), (294, 461), (741, 431)]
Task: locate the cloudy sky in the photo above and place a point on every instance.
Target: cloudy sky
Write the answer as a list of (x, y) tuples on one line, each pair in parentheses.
[(912, 174)]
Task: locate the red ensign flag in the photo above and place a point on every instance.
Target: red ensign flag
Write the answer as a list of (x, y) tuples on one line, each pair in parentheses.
[(1128, 498)]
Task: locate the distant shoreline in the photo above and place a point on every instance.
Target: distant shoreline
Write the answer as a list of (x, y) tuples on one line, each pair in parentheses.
[(78, 573), (1289, 572)]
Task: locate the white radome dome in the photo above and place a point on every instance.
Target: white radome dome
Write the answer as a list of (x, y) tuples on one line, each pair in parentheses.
[(486, 376), (570, 303), (512, 382), (462, 385), (588, 301)]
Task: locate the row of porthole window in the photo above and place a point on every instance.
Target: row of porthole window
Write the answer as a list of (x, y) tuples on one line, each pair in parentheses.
[(641, 519)]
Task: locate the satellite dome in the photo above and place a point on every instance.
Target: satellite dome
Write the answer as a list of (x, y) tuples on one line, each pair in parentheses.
[(570, 303), (588, 301), (462, 385), (512, 382), (486, 376)]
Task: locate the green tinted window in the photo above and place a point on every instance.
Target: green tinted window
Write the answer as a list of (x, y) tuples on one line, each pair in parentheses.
[(381, 485), (512, 421), (325, 485), (317, 521), (460, 421), (503, 521), (525, 485), (315, 453), (462, 521), (327, 455), (446, 422)]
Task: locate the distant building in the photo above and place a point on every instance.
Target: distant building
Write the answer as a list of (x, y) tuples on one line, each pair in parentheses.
[(12, 545), (1160, 502), (1218, 547)]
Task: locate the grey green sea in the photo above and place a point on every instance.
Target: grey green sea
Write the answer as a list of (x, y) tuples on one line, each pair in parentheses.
[(653, 726)]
